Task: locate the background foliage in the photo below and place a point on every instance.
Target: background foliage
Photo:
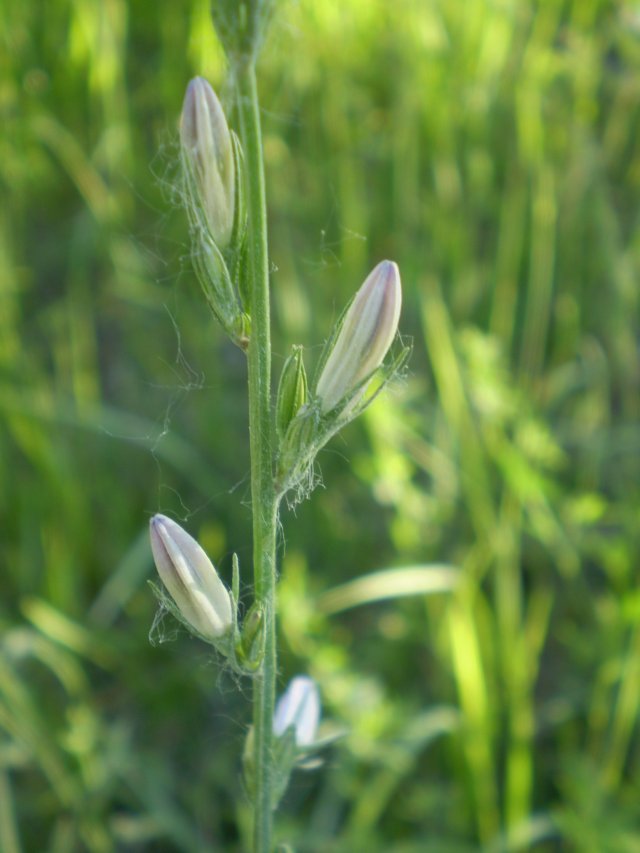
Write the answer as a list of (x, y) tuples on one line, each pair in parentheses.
[(489, 679)]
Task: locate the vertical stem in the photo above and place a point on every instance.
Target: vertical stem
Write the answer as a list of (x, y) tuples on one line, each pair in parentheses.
[(260, 426)]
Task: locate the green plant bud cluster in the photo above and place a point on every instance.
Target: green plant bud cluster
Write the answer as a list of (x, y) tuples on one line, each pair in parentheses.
[(350, 374)]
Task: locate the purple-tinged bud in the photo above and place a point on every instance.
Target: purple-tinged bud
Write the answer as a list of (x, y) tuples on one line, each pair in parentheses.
[(299, 706), (207, 154), (190, 578), (364, 338)]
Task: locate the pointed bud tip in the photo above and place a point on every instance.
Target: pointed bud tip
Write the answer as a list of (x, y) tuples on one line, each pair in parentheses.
[(188, 117), (388, 273), (200, 104), (158, 534), (198, 86), (161, 526), (388, 268), (157, 520)]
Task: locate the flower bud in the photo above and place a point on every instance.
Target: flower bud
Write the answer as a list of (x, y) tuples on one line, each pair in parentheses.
[(299, 707), (292, 390), (250, 647), (207, 154), (365, 335), (190, 578)]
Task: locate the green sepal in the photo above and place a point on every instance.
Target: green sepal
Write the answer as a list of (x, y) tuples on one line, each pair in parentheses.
[(284, 759), (297, 448), (216, 282), (329, 343), (308, 759), (243, 649), (235, 577), (219, 290), (288, 756), (223, 644), (248, 764), (285, 753), (235, 253), (240, 211), (373, 385)]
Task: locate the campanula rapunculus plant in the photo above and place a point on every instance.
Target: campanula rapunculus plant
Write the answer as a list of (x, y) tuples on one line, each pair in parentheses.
[(225, 197)]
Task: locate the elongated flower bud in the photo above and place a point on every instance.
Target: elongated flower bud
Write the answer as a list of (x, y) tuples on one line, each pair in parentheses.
[(190, 578), (292, 390), (207, 154), (299, 706), (366, 333)]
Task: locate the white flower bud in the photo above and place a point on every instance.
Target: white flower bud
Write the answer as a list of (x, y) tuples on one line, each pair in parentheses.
[(299, 706), (190, 578), (207, 154), (366, 333)]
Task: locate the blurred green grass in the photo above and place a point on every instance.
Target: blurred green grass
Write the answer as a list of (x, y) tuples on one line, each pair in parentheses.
[(491, 149)]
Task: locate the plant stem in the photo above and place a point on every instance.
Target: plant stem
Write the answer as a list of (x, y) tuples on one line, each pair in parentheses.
[(263, 497)]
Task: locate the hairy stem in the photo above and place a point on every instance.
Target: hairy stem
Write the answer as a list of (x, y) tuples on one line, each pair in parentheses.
[(263, 497)]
